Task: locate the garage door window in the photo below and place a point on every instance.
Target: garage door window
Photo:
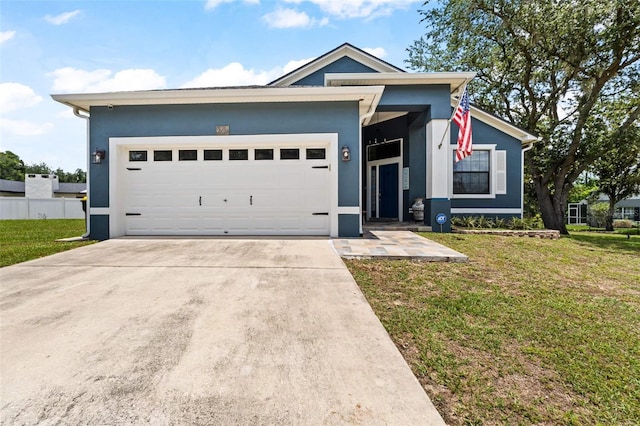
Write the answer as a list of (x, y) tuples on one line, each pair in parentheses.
[(264, 154), (316, 154), (188, 155), (164, 155), (212, 155), (238, 154), (290, 154), (137, 155)]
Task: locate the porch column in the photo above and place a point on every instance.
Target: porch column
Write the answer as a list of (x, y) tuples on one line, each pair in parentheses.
[(438, 175)]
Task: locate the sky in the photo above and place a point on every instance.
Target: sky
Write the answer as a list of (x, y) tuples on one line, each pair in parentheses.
[(90, 46)]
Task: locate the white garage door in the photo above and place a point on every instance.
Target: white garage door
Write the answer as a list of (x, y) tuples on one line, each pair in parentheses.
[(238, 190)]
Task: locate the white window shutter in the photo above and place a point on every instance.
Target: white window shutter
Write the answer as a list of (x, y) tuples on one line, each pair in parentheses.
[(501, 172)]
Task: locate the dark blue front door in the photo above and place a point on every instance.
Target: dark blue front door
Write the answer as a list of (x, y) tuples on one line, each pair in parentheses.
[(388, 195)]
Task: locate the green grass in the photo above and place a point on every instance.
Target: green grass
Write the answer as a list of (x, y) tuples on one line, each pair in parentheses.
[(529, 331), (22, 240)]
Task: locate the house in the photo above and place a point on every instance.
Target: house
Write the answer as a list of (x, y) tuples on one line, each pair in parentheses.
[(345, 138), (578, 213), (10, 188)]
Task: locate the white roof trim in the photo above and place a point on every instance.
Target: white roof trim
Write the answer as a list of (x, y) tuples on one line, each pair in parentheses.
[(497, 123), (368, 97), (321, 62), (457, 80)]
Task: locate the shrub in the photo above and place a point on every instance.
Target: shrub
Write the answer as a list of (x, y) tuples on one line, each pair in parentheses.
[(598, 213), (485, 223), (622, 223), (519, 224), (501, 223), (464, 221)]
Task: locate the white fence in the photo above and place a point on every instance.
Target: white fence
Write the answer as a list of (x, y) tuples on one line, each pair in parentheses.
[(40, 208)]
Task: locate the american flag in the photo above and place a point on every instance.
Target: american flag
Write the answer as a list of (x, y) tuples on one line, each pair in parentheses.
[(462, 118)]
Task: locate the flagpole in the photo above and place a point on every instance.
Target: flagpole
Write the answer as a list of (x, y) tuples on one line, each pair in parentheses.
[(464, 87)]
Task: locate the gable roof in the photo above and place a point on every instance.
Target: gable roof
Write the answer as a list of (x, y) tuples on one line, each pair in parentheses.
[(347, 50), (498, 123)]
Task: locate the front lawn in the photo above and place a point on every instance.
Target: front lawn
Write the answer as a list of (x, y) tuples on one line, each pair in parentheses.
[(530, 331), (22, 240)]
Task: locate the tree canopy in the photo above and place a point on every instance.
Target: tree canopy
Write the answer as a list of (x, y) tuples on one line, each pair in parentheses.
[(548, 67), (13, 168)]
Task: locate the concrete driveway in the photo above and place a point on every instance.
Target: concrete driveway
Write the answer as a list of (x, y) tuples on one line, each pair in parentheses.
[(198, 331)]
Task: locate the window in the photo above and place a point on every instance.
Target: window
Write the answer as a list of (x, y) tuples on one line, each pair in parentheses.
[(137, 155), (238, 154), (316, 154), (290, 154), (164, 155), (212, 155), (382, 150), (264, 154), (472, 175), (187, 155)]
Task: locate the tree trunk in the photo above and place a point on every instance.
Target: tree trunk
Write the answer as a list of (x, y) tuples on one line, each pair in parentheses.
[(609, 219), (552, 208)]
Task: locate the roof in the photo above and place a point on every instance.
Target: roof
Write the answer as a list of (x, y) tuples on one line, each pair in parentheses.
[(19, 187), (632, 201), (71, 187), (345, 49), (368, 97), (496, 122), (457, 80), (11, 186)]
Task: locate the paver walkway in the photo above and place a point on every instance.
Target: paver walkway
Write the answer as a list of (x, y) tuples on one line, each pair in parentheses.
[(396, 245)]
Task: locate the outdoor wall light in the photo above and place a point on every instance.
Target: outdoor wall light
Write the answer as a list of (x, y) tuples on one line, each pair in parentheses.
[(346, 153), (97, 156)]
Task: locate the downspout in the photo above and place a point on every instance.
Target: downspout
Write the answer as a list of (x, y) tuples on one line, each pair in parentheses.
[(363, 118), (76, 112), (527, 148)]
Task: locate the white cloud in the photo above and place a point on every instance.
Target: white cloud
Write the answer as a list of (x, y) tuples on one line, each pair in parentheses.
[(80, 81), (17, 96), (24, 127), (292, 65), (63, 18), (358, 8), (66, 113), (6, 35), (378, 52), (233, 74), (291, 18), (212, 4)]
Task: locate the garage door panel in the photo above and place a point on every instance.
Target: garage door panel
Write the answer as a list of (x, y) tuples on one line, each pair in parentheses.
[(240, 197)]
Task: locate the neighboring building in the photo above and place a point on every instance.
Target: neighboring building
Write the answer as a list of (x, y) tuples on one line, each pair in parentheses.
[(39, 186), (345, 138), (629, 208)]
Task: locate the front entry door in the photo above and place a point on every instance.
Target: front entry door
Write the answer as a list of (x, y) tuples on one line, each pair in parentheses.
[(388, 194)]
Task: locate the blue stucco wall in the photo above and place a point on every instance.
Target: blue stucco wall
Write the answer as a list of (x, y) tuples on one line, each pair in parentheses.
[(435, 99), (243, 119), (485, 134), (342, 65)]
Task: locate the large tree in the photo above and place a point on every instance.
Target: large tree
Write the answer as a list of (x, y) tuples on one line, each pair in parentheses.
[(619, 171), (543, 65), (11, 166)]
